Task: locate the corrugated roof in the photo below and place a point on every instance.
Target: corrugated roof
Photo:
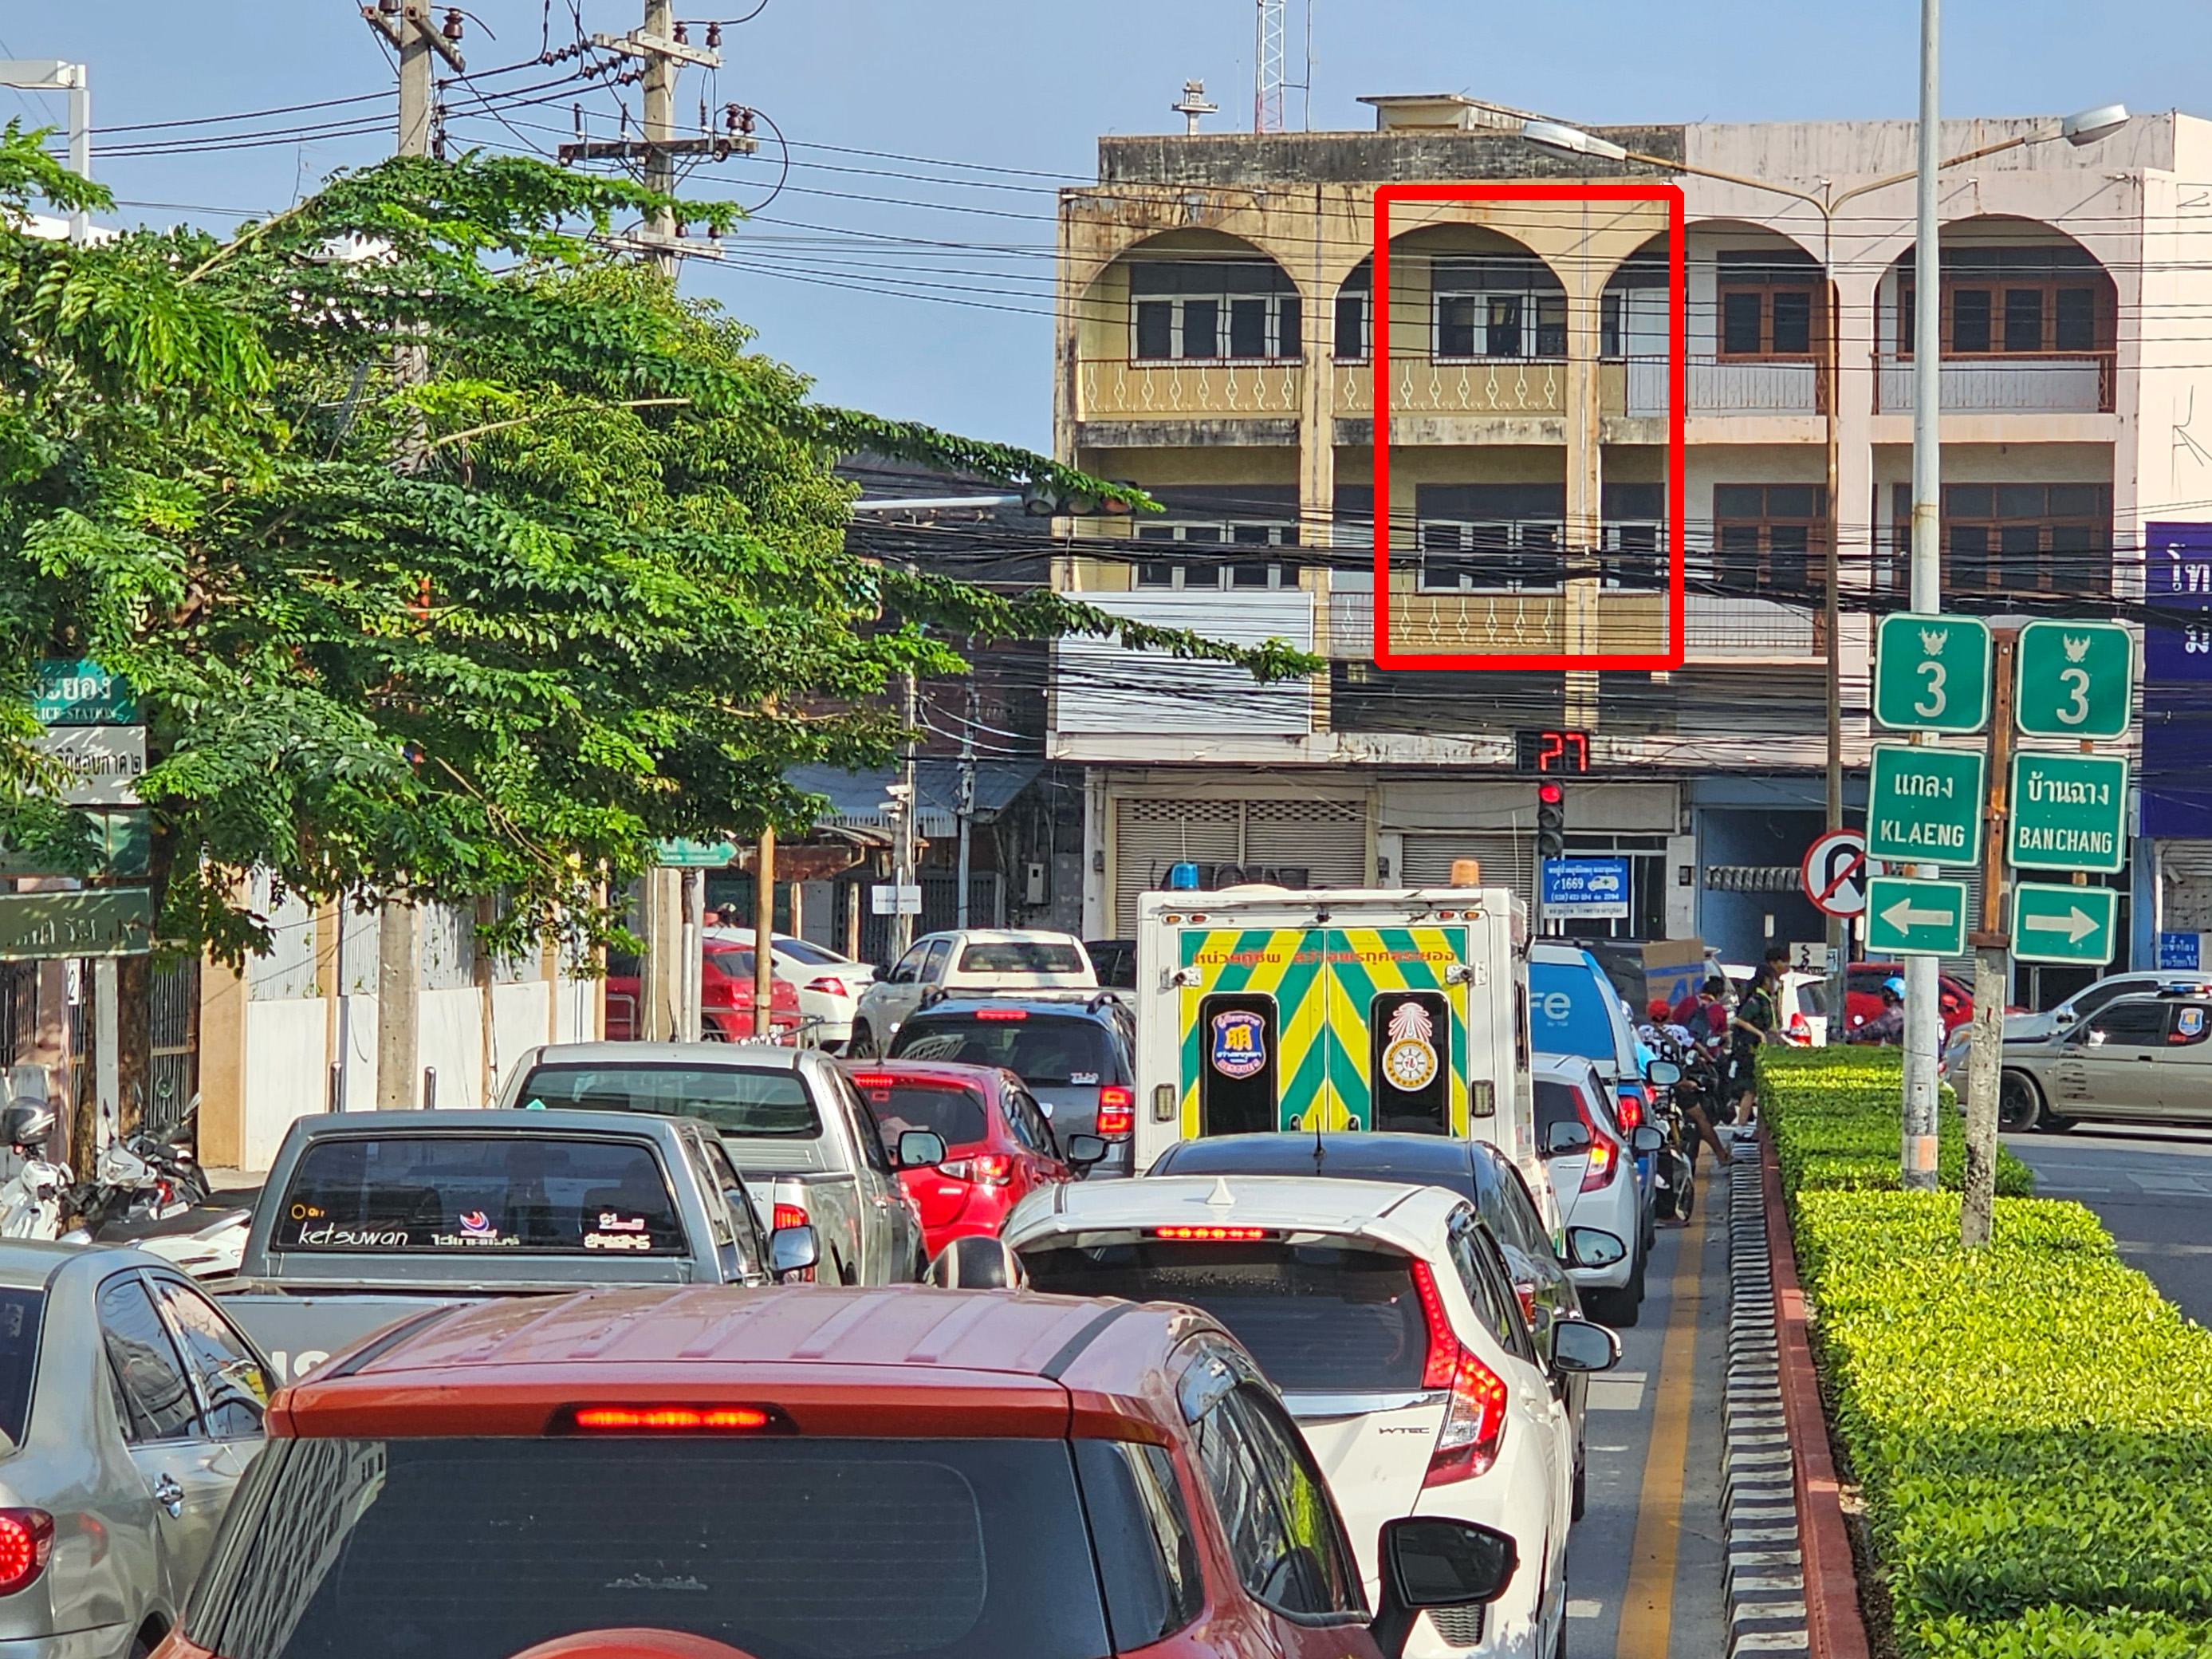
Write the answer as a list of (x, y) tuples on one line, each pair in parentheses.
[(858, 799)]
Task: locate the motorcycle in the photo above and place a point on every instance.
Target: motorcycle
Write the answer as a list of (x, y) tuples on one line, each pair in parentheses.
[(1675, 1166), (138, 1184), (31, 1199)]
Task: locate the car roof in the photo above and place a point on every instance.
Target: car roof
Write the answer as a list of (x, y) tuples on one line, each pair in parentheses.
[(1570, 1068), (1294, 1154), (26, 1264), (1292, 1203), (870, 1361), (711, 1056), (1075, 1006), (1007, 936), (484, 1120)]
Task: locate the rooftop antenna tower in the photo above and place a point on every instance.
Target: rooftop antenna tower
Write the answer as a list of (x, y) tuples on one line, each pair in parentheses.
[(1267, 67)]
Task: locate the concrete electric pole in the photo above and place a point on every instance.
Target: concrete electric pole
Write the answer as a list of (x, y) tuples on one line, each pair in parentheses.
[(406, 24), (51, 75)]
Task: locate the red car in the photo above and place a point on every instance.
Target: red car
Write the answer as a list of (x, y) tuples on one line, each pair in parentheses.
[(1862, 996), (709, 1471), (725, 991), (999, 1144)]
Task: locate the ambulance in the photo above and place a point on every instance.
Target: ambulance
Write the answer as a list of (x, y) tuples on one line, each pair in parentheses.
[(1263, 1008)]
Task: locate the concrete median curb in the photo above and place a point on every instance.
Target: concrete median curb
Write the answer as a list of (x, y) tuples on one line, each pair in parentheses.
[(1791, 1587)]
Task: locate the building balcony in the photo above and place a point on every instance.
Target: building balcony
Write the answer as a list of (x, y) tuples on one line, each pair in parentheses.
[(1422, 384), (1727, 386), (2064, 383), (1114, 389), (1716, 630)]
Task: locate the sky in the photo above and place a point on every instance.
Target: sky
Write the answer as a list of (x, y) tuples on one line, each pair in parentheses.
[(906, 263)]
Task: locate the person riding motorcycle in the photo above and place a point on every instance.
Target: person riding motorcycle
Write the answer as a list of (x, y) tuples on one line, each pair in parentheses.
[(1888, 1025)]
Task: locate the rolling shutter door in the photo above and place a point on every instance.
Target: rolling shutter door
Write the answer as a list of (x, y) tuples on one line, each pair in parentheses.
[(1508, 859), (1326, 839)]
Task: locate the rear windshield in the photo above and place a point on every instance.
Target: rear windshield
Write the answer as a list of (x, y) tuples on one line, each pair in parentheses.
[(730, 961), (786, 1548), (19, 1311), (1568, 1012), (541, 1195), (1044, 1050), (1556, 1102), (737, 1103), (1320, 1319), (955, 1111), (1023, 957)]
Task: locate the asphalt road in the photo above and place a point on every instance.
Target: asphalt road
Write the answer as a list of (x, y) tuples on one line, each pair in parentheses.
[(2153, 1190), (1643, 1566)]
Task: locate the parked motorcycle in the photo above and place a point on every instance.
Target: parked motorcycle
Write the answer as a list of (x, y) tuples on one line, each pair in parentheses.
[(139, 1183), (31, 1199), (1676, 1087)]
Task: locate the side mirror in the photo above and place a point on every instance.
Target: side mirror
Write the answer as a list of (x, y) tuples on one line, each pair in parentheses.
[(1432, 1562), (1664, 1072), (2063, 1018), (1086, 1149), (1593, 1247), (921, 1149), (1579, 1345), (1647, 1140), (791, 1250), (1564, 1138)]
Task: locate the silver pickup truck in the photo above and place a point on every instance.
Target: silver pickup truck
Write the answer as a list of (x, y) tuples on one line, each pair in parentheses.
[(789, 1119), (370, 1219)]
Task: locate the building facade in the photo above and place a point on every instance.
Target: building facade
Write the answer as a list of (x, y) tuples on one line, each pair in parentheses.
[(1217, 344)]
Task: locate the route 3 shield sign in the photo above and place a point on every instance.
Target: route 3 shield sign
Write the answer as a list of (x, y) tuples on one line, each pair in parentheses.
[(1835, 874)]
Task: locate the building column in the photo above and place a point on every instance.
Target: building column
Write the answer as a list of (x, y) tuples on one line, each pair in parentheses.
[(1317, 471), (1584, 528)]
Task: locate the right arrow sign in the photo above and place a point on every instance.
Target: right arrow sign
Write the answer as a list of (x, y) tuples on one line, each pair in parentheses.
[(2064, 924), (1907, 918)]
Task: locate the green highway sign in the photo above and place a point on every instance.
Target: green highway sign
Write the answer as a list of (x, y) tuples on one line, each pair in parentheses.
[(1932, 673), (2075, 679), (1924, 805), (82, 693), (109, 922), (683, 854), (1905, 918), (2069, 812), (2065, 924)]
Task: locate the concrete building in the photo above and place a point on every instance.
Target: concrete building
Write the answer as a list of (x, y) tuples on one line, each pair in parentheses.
[(1215, 344)]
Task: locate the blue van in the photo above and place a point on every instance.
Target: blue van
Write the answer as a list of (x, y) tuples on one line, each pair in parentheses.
[(1573, 1009)]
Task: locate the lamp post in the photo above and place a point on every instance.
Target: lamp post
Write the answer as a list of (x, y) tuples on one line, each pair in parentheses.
[(2084, 127)]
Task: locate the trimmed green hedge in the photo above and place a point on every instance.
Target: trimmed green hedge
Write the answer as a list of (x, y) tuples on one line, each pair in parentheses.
[(2031, 1423)]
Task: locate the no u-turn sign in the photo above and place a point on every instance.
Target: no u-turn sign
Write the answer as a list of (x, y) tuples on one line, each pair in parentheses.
[(1835, 874)]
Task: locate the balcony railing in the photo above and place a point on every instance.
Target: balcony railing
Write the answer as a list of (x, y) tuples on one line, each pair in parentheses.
[(1421, 385), (1111, 388), (2073, 383), (1729, 386)]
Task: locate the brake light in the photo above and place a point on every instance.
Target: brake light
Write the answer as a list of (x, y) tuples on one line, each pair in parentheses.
[(1604, 1155), (1002, 1014), (1630, 1111), (828, 985), (873, 1079), (1117, 1110), (25, 1537), (788, 1215), (669, 1419), (1474, 1418), (1213, 1234), (984, 1169)]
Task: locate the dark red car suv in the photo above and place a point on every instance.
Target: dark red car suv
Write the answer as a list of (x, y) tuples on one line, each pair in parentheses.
[(804, 1473)]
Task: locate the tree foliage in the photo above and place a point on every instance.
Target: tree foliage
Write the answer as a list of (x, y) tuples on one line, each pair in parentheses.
[(452, 552)]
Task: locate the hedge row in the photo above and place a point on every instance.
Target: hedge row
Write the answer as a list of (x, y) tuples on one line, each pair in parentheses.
[(2031, 1423)]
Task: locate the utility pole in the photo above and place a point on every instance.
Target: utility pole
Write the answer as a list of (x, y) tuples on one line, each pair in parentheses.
[(764, 935), (1992, 960), (52, 75), (903, 871), (406, 24), (967, 803), (1917, 1150)]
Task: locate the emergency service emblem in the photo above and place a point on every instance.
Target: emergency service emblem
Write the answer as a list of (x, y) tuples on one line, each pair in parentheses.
[(1240, 1043), (1410, 1062)]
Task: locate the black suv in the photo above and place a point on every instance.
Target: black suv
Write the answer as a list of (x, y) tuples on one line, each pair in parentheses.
[(1074, 1052)]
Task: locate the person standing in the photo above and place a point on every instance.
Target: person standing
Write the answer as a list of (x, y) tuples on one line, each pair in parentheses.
[(1750, 1027)]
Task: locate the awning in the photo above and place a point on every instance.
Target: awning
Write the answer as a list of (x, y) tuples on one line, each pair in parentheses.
[(861, 800)]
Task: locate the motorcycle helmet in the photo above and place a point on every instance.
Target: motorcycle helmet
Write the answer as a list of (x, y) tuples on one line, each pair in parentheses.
[(1894, 987)]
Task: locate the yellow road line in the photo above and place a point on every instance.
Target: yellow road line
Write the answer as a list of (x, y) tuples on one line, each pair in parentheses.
[(1647, 1607)]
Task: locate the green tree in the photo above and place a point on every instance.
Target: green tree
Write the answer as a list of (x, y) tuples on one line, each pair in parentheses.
[(452, 551)]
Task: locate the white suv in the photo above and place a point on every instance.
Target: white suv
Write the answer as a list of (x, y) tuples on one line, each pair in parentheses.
[(976, 961), (1386, 1316)]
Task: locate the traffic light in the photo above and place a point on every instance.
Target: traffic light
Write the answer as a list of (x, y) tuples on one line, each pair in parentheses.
[(1550, 821)]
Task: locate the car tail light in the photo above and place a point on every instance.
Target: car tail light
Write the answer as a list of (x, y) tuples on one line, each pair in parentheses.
[(1117, 1110), (788, 1215), (1474, 1417), (26, 1536), (1527, 1292), (1213, 1234), (984, 1169), (1630, 1111), (1002, 1014), (671, 1419), (828, 985), (1604, 1158)]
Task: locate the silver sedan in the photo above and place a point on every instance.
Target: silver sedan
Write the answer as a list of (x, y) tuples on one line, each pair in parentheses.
[(131, 1407), (2142, 1058)]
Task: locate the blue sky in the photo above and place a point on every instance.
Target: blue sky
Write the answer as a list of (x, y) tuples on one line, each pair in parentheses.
[(1026, 87)]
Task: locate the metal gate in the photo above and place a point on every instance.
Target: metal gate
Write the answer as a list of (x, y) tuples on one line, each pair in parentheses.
[(173, 1079)]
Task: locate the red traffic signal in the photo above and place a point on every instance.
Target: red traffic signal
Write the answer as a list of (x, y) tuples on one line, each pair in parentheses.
[(1551, 794), (1551, 820)]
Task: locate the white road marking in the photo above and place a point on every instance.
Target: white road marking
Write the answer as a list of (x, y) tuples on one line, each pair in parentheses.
[(1616, 1393), (1578, 1608)]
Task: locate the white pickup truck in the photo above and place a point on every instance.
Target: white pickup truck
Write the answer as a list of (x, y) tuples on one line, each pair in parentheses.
[(802, 1138)]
